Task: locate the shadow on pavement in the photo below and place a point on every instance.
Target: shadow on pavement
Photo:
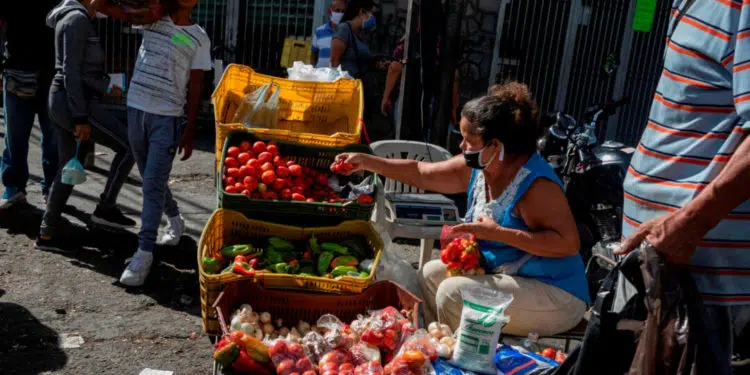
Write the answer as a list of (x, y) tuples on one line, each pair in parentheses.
[(26, 345), (173, 275)]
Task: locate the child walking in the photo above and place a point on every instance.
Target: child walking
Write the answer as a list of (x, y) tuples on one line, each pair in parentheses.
[(162, 107)]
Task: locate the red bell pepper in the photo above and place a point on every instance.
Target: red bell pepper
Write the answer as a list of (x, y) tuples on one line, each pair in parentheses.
[(364, 199), (243, 269), (246, 365)]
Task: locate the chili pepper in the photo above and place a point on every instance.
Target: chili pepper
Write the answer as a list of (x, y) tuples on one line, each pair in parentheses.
[(343, 270), (211, 265), (334, 247), (244, 364), (243, 269), (314, 244), (274, 256), (240, 258), (280, 244), (307, 255), (344, 260), (234, 250), (227, 353), (253, 263), (324, 261)]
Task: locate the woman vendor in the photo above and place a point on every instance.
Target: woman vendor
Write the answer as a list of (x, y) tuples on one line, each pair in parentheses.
[(516, 209)]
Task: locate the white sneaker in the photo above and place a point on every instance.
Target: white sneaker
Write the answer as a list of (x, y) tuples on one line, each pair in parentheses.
[(137, 270), (15, 198), (174, 231)]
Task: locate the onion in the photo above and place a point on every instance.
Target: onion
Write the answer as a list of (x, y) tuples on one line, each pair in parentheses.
[(235, 326), (436, 333), (259, 334), (268, 328), (247, 328), (448, 341), (283, 331), (253, 317), (279, 323), (303, 327), (293, 333), (246, 308), (445, 330), (265, 317), (433, 325), (443, 350)]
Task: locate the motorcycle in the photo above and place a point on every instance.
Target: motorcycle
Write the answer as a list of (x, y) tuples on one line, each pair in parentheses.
[(592, 173)]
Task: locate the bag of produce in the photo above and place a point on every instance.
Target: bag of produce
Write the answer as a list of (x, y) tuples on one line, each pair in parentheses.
[(482, 321), (259, 109), (442, 339), (289, 357), (244, 353), (73, 172), (414, 357), (336, 362), (518, 361), (387, 329), (337, 335), (460, 253)]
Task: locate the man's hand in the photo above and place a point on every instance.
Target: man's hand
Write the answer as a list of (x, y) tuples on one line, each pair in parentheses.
[(186, 143), (675, 236), (386, 107), (82, 132), (116, 91), (485, 228), (357, 161)]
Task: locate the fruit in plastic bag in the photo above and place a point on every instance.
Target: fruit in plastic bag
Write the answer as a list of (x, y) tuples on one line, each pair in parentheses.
[(460, 253), (414, 357), (289, 357), (73, 172)]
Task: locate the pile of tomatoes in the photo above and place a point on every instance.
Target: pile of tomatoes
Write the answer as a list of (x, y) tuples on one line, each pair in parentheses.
[(259, 171)]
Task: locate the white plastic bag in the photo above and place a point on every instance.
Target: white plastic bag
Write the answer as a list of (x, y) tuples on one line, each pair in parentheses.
[(258, 109), (73, 172), (303, 72), (482, 321)]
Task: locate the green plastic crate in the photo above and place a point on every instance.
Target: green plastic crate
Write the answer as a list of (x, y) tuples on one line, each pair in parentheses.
[(293, 212)]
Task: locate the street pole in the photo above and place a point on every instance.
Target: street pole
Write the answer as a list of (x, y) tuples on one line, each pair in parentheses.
[(410, 83)]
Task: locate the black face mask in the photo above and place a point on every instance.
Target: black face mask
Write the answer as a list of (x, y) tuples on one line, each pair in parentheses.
[(473, 159)]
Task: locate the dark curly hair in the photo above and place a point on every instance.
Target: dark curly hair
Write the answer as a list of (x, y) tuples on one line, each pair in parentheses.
[(507, 114)]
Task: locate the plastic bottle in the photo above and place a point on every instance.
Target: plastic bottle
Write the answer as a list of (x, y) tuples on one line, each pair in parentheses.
[(530, 342)]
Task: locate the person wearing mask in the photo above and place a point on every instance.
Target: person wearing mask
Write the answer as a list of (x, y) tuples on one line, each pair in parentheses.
[(321, 43), (686, 191), (76, 109), (163, 106), (29, 64), (516, 209), (348, 49)]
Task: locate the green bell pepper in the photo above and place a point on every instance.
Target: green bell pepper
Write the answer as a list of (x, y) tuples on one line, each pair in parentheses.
[(280, 244), (343, 270), (273, 256), (211, 266), (334, 247), (324, 261), (364, 274), (230, 252)]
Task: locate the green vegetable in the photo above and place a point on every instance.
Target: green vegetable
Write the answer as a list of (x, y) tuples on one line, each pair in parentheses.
[(343, 270), (358, 246), (229, 269), (307, 271), (227, 354), (323, 262), (364, 274), (234, 250), (366, 265), (280, 244), (273, 256), (314, 244), (334, 247), (279, 268), (352, 274), (211, 265), (344, 260)]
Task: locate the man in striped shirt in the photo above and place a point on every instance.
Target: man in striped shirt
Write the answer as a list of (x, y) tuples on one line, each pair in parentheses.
[(688, 187), (321, 44)]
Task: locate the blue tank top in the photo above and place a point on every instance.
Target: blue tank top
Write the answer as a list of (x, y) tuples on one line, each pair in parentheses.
[(565, 273)]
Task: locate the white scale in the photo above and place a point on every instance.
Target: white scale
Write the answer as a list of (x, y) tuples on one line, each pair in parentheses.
[(420, 209)]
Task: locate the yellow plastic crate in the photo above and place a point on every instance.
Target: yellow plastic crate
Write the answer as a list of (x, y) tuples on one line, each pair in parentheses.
[(295, 50), (310, 113), (227, 227)]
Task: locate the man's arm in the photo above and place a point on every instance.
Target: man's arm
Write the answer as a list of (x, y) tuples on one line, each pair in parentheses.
[(393, 77), (135, 16), (193, 103)]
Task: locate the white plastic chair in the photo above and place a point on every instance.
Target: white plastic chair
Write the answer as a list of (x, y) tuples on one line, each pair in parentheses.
[(394, 149)]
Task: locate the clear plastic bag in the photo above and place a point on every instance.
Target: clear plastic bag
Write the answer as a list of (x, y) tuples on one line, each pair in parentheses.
[(258, 109), (289, 357), (414, 357), (303, 72), (460, 253), (73, 172), (475, 349)]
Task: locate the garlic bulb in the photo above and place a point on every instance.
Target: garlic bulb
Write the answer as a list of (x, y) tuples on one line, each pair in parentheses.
[(268, 328), (433, 325), (445, 330), (443, 351), (265, 317), (436, 333), (448, 341), (247, 328)]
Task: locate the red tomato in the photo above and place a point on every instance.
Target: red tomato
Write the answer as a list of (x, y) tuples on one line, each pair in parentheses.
[(270, 195), (233, 172), (262, 188), (330, 372), (549, 353), (265, 157), (274, 149), (268, 177), (298, 197), (305, 170), (322, 180), (290, 183), (298, 190), (296, 350), (295, 170), (310, 200), (309, 373), (278, 160), (255, 195), (230, 162), (267, 167), (346, 367), (245, 192), (255, 163), (259, 147), (290, 163), (230, 189), (285, 367), (243, 158), (245, 171), (251, 171), (282, 171), (285, 194), (233, 151), (244, 146), (279, 184), (329, 366), (229, 181), (304, 364)]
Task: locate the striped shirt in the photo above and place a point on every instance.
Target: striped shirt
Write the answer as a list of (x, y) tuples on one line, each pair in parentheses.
[(162, 70), (321, 44), (698, 118)]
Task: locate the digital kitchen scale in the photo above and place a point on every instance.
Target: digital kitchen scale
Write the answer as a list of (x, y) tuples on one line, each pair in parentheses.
[(420, 209)]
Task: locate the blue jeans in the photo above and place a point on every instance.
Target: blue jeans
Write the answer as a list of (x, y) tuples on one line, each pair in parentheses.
[(732, 327), (154, 140), (19, 119)]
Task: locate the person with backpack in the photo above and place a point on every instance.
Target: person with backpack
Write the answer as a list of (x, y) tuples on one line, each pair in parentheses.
[(76, 109), (686, 192), (163, 103)]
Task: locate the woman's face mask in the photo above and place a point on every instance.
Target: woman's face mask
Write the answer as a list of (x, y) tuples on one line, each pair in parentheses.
[(336, 17), (475, 159), (369, 24)]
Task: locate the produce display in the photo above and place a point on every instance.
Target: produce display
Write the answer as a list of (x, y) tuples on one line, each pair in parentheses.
[(259, 171), (461, 255), (351, 257)]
